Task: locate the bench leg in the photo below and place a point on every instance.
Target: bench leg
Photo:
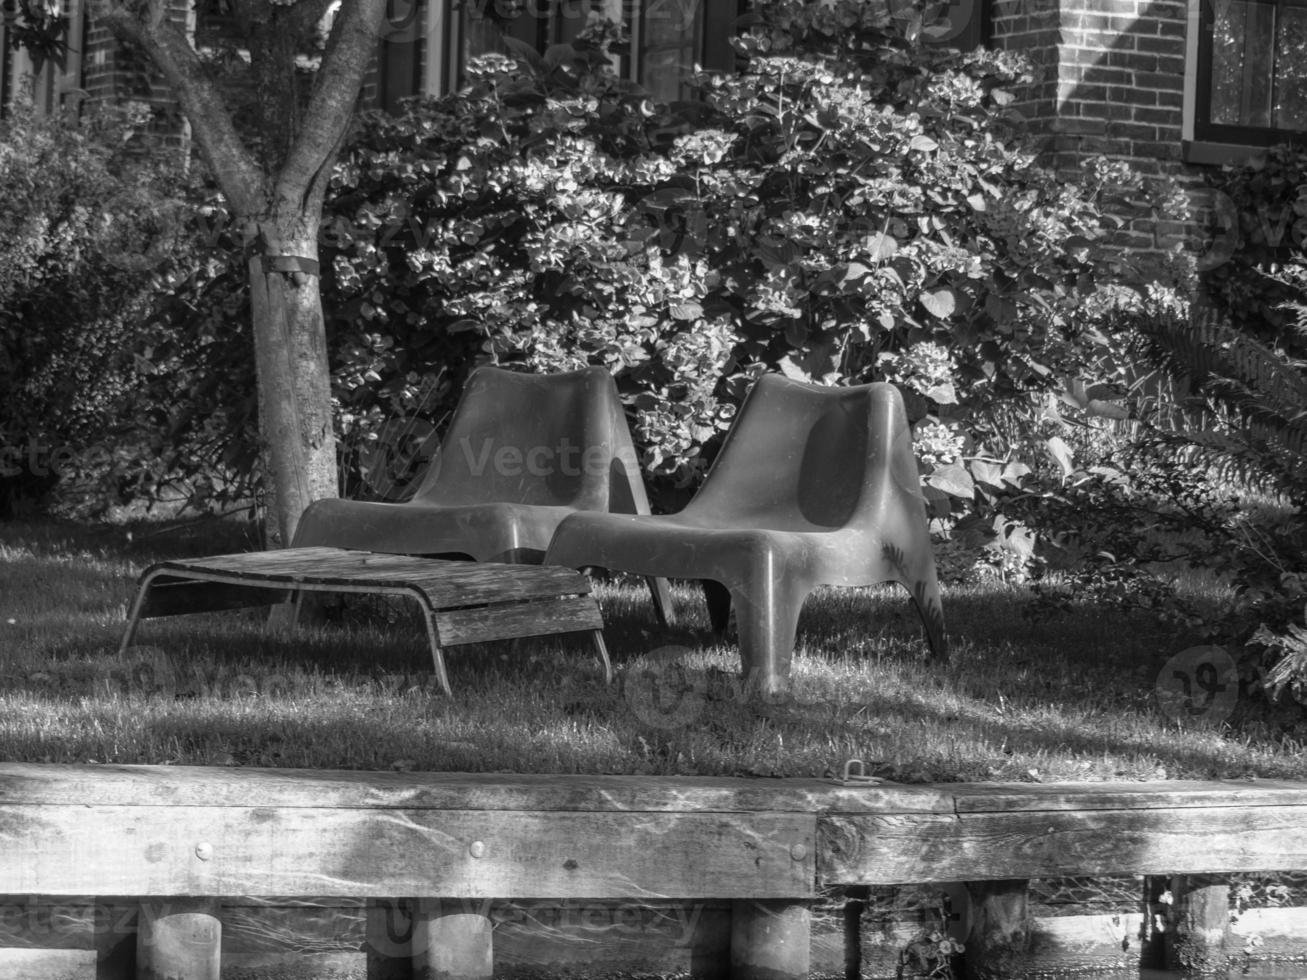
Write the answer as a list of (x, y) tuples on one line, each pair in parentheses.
[(437, 656), (134, 617), (603, 655)]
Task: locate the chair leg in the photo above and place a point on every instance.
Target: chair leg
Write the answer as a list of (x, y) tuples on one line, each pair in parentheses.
[(767, 617), (437, 656), (134, 617), (718, 599), (661, 593), (926, 597), (602, 650)]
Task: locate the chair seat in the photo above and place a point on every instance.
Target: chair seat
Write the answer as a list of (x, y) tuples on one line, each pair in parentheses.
[(682, 546)]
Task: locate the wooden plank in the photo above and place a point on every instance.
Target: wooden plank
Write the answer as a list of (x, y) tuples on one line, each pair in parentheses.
[(901, 848), (542, 617), (47, 964), (447, 583), (606, 939), (228, 850), (130, 785), (1164, 794), (1281, 932)]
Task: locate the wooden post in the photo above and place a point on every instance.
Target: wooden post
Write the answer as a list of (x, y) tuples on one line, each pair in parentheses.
[(179, 939), (770, 940), (389, 931), (1200, 925), (855, 904), (999, 941), (451, 941)]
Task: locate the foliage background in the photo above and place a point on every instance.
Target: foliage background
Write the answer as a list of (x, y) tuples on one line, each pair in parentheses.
[(91, 217)]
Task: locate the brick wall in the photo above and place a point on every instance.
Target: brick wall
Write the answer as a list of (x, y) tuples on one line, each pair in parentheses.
[(1111, 82)]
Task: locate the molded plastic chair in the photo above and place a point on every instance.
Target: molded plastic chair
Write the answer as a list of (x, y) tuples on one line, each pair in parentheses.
[(522, 452), (813, 486)]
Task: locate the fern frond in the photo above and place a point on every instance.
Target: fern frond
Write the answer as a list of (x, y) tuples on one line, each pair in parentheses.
[(1247, 420)]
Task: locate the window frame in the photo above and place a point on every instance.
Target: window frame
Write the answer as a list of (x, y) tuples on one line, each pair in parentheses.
[(1199, 74)]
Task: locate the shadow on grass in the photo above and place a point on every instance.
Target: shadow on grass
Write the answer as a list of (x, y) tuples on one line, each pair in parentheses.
[(1069, 696)]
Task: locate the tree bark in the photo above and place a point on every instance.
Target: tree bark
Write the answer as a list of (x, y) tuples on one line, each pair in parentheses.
[(294, 382), (285, 208)]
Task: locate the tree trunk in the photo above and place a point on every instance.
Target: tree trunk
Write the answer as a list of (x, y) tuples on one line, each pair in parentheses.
[(294, 378)]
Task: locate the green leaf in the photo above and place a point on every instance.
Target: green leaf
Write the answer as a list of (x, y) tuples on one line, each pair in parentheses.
[(923, 143), (1061, 454), (941, 302), (1014, 473), (689, 310), (880, 246), (988, 473), (944, 394), (855, 273), (953, 479)]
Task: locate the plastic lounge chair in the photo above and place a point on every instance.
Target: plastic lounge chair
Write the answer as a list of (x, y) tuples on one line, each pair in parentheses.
[(522, 452), (813, 486)]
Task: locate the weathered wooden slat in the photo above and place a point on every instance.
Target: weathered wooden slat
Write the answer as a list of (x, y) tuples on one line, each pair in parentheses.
[(132, 785), (199, 850), (542, 617), (42, 964), (447, 583), (901, 848), (1162, 794)]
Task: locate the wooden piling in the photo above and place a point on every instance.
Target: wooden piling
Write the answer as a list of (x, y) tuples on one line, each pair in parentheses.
[(388, 928), (451, 942), (1198, 939), (770, 940), (998, 945), (179, 939)]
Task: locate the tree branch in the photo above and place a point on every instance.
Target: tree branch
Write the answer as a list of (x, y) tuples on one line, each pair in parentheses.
[(147, 26), (349, 52)]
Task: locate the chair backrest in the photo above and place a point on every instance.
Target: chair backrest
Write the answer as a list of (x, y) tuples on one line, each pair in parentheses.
[(807, 457), (537, 439)]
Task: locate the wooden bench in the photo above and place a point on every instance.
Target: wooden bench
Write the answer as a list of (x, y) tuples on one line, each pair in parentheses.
[(461, 602)]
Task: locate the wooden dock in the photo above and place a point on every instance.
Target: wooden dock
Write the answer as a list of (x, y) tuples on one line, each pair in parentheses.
[(767, 848)]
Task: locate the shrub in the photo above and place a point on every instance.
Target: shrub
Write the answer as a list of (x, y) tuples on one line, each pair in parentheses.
[(81, 215), (848, 207)]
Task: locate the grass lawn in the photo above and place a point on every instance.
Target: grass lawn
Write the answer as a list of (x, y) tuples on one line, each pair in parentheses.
[(1066, 697)]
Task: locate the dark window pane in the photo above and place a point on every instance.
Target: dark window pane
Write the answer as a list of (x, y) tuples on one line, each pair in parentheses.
[(1259, 64), (669, 45), (1291, 69), (1227, 63)]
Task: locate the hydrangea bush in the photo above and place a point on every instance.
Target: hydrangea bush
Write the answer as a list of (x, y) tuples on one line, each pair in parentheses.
[(849, 206)]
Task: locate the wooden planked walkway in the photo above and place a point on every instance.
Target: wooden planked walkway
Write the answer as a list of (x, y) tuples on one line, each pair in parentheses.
[(175, 830), (190, 841)]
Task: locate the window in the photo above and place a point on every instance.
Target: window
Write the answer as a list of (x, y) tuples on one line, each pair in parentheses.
[(426, 53), (1251, 78)]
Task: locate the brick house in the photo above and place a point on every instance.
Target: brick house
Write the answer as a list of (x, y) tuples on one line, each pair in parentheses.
[(1171, 86)]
